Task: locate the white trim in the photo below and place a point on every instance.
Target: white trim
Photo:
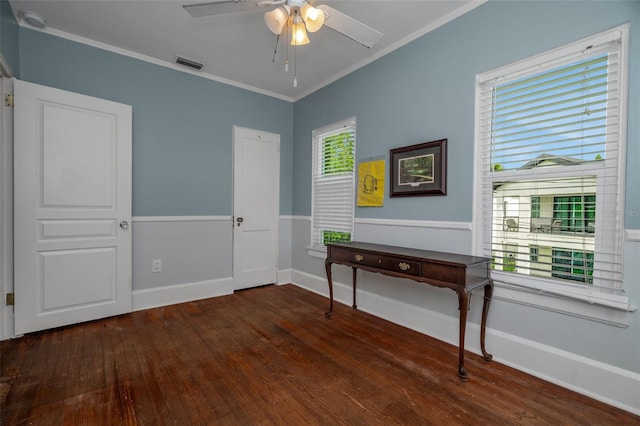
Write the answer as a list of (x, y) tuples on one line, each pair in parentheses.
[(284, 276), (606, 383), (457, 226), (333, 127), (548, 58), (410, 223), (6, 204), (155, 61), (613, 315), (201, 218), (317, 252), (179, 218), (180, 293), (632, 235), (406, 40)]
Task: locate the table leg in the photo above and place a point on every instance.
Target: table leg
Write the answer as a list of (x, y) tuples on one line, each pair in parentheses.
[(463, 302), (354, 306), (327, 266), (488, 294)]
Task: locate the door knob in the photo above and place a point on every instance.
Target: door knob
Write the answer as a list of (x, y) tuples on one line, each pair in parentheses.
[(124, 224), (239, 220)]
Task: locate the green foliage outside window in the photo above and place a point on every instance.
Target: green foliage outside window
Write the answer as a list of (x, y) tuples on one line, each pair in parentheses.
[(509, 264), (338, 154), (329, 237)]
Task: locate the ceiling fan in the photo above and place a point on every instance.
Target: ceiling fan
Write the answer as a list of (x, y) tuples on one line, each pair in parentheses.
[(291, 12), (294, 18)]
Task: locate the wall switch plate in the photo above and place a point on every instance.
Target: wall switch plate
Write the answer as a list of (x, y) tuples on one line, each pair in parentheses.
[(156, 265)]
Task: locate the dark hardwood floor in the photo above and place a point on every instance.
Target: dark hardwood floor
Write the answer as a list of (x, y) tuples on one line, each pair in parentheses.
[(268, 356)]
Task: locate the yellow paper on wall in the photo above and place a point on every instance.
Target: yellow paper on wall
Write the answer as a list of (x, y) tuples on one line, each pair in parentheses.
[(371, 183)]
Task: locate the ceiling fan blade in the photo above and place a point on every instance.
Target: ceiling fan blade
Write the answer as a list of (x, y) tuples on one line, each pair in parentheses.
[(349, 27), (218, 7)]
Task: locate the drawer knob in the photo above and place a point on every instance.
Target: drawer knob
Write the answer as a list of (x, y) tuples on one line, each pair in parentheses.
[(404, 266), (359, 258)]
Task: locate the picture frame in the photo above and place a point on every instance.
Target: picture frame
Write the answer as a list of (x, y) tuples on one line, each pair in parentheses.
[(419, 170)]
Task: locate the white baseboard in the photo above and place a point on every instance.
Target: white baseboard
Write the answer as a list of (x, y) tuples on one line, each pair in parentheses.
[(603, 382), (180, 293), (284, 276)]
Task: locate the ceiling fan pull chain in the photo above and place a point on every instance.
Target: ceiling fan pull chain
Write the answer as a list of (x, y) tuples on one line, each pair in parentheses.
[(275, 51), (295, 66), (286, 62)]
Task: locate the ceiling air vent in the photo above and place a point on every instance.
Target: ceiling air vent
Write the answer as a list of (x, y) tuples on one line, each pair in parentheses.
[(190, 63)]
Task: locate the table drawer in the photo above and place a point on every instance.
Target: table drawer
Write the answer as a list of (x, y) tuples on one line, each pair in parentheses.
[(395, 264)]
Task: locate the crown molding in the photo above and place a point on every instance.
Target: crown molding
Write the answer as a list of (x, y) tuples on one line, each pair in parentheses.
[(155, 61)]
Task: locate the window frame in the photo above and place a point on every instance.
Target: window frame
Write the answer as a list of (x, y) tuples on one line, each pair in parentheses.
[(532, 290), (318, 134)]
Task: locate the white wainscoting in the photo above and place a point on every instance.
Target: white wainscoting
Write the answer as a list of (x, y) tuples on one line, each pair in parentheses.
[(191, 249), (196, 255)]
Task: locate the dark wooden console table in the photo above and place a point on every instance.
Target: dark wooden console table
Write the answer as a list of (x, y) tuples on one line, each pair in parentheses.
[(461, 273)]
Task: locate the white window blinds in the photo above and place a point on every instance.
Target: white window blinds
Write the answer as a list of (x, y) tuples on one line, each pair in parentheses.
[(333, 183), (550, 167)]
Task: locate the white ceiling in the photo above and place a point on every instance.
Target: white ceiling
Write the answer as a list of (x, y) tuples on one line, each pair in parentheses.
[(238, 48)]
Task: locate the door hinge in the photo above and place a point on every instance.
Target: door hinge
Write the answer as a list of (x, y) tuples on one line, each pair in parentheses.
[(8, 100), (11, 299)]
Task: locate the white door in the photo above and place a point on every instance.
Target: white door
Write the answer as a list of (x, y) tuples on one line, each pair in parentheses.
[(256, 191), (72, 207)]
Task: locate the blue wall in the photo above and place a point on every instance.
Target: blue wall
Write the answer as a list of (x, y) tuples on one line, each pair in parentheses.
[(182, 124), (9, 37), (425, 91)]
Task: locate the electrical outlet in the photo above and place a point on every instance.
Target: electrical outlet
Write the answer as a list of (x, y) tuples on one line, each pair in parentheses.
[(156, 265)]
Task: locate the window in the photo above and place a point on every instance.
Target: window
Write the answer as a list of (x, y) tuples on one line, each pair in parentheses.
[(535, 207), (573, 265), (534, 252), (551, 131), (577, 212), (333, 180)]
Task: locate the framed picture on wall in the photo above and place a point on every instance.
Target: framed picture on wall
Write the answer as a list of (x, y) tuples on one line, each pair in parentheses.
[(419, 169)]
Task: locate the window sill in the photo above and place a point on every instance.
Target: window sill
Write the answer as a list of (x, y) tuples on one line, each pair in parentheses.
[(612, 310), (317, 252)]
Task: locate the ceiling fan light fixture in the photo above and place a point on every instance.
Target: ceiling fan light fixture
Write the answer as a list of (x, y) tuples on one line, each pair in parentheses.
[(299, 35), (277, 18), (313, 18)]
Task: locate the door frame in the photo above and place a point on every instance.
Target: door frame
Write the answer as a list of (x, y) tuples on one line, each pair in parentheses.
[(257, 133), (6, 203)]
